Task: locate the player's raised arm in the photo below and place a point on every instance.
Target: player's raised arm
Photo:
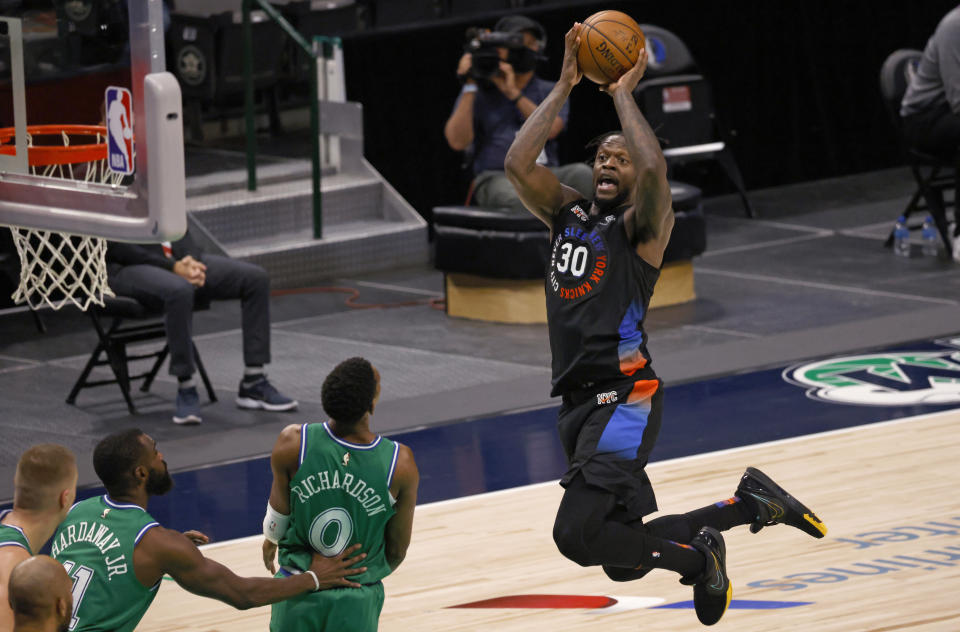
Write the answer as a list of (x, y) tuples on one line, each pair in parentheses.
[(650, 220), (537, 186), (406, 479)]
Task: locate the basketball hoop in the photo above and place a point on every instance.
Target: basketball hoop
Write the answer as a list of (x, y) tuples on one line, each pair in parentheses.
[(60, 268)]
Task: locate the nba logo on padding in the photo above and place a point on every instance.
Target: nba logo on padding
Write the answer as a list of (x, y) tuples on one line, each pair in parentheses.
[(119, 120)]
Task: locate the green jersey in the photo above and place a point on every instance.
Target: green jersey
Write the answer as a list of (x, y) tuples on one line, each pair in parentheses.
[(11, 535), (95, 544), (339, 496)]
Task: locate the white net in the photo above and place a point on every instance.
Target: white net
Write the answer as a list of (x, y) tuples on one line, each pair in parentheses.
[(58, 269)]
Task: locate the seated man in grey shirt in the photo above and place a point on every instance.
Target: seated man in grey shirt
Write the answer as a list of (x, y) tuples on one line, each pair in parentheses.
[(931, 106)]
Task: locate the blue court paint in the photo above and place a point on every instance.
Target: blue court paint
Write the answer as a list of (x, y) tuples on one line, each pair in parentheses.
[(462, 459), (741, 604)]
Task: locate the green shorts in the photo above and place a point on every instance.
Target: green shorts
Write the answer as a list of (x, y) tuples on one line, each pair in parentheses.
[(333, 610)]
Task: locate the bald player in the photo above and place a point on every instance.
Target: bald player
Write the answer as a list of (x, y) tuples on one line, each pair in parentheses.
[(45, 485), (40, 596)]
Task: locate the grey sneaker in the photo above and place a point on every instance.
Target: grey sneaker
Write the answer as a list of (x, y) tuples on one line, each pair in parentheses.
[(263, 394), (188, 407)]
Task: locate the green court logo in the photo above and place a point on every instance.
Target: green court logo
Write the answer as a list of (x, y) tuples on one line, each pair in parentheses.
[(900, 378)]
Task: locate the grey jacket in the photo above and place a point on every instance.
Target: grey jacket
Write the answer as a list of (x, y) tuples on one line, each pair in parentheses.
[(937, 78)]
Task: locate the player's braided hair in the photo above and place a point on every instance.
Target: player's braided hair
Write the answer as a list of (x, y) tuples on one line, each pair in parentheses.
[(348, 392), (594, 144)]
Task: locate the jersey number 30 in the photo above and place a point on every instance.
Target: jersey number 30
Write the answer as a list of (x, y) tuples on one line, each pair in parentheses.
[(81, 577), (573, 259), (331, 531)]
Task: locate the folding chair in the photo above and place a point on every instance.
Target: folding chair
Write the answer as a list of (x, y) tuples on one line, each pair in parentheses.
[(932, 174), (678, 103), (112, 345)]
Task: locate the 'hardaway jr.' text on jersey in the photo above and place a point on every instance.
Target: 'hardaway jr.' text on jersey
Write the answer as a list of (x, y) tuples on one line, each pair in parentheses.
[(598, 289), (95, 544), (339, 496)]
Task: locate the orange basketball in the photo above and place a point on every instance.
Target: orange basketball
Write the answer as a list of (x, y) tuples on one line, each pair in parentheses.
[(610, 44)]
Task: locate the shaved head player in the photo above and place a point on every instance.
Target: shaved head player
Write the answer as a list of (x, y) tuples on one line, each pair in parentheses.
[(40, 594), (606, 258)]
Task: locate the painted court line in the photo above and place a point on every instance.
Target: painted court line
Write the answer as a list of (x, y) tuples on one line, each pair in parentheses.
[(803, 228), (22, 367), (693, 457), (18, 309), (719, 330), (766, 244), (824, 286), (395, 288)]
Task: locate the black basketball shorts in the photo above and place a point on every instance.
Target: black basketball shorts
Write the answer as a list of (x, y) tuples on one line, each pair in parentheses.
[(608, 434)]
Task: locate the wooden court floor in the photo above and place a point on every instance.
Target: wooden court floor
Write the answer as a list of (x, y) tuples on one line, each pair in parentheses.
[(889, 494)]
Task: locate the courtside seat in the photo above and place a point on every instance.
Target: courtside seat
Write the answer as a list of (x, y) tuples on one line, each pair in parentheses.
[(494, 264), (471, 240), (689, 236), (112, 341)]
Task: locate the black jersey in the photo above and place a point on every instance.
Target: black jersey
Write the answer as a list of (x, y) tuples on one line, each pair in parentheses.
[(598, 290)]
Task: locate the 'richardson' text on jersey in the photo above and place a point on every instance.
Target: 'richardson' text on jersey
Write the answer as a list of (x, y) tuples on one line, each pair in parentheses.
[(371, 501)]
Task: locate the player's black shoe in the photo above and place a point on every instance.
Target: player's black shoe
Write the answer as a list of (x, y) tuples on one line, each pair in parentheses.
[(711, 589), (771, 504)]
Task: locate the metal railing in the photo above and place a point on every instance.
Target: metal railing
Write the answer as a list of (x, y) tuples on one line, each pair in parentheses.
[(251, 133)]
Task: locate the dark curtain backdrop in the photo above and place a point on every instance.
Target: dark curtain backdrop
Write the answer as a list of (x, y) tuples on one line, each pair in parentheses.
[(796, 81)]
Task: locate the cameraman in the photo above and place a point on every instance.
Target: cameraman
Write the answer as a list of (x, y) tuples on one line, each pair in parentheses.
[(497, 97)]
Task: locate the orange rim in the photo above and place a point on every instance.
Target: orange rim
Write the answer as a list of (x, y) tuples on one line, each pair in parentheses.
[(44, 155)]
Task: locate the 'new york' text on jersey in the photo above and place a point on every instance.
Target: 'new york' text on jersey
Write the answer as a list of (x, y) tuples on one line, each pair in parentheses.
[(598, 291)]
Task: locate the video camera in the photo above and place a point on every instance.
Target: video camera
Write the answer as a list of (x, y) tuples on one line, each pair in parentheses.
[(482, 44)]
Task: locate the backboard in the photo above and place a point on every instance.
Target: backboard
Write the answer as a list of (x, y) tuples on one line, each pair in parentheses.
[(92, 62)]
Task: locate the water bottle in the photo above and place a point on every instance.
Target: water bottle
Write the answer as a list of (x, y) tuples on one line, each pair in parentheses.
[(930, 238), (901, 237)]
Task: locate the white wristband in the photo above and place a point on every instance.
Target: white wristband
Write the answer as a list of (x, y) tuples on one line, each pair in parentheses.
[(274, 524), (316, 582), (469, 87)]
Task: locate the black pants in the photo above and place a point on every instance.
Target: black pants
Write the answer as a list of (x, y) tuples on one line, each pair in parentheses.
[(593, 528), (936, 131), (162, 290)]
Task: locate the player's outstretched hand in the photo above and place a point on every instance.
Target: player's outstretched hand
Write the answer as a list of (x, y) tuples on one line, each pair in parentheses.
[(197, 537), (631, 78), (333, 571), (570, 71), (269, 554)]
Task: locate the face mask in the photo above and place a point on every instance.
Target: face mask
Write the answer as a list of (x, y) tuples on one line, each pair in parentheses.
[(522, 60)]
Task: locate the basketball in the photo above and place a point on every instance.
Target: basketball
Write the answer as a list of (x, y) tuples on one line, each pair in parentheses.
[(610, 44)]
